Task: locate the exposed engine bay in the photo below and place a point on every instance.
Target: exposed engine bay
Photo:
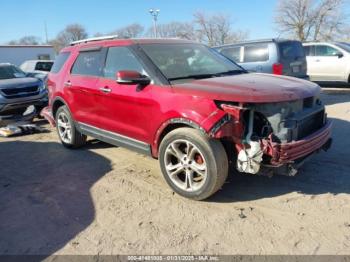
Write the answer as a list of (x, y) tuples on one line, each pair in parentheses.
[(277, 137)]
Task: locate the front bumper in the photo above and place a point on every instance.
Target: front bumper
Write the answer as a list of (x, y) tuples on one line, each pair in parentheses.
[(11, 107), (287, 153)]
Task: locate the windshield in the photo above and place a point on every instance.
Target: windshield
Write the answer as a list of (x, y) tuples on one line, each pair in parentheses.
[(344, 46), (9, 72), (189, 61)]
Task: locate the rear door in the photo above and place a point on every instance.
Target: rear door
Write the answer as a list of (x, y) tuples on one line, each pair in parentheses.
[(80, 86), (292, 57)]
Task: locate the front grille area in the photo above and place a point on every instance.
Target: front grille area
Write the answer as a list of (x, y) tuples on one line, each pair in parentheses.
[(311, 124), (293, 120), (20, 92)]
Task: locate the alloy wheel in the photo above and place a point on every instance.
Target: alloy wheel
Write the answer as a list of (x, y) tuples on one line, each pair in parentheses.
[(64, 128), (185, 165)]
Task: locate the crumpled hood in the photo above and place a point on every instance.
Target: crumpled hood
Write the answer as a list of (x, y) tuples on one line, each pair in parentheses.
[(250, 88), (19, 82)]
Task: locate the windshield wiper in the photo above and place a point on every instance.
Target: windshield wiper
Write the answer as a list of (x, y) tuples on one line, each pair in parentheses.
[(203, 76), (199, 76), (232, 72)]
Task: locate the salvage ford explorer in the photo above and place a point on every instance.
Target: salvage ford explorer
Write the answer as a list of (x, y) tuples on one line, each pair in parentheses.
[(188, 106)]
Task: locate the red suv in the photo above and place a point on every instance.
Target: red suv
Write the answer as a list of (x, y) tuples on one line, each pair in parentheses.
[(186, 105)]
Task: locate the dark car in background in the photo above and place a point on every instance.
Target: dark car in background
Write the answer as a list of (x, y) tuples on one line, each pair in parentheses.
[(18, 91), (273, 56)]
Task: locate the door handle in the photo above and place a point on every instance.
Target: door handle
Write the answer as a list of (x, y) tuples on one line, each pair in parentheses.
[(67, 84), (105, 89)]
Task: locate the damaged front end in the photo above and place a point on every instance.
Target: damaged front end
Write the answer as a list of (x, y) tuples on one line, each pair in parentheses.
[(274, 138)]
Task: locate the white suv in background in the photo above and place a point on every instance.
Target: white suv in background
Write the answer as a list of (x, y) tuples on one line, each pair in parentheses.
[(328, 62)]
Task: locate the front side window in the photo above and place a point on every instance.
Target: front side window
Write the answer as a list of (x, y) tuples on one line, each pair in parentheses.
[(10, 72), (234, 53), (325, 50), (256, 53), (88, 63), (188, 61), (119, 59)]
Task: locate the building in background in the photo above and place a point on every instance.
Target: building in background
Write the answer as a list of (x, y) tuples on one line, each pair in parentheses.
[(17, 54)]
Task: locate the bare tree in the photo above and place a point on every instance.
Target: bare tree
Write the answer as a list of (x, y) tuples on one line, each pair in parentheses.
[(129, 31), (26, 40), (183, 30), (310, 19), (216, 29), (73, 32)]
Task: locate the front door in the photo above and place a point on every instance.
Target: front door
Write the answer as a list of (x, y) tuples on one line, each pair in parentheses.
[(125, 110)]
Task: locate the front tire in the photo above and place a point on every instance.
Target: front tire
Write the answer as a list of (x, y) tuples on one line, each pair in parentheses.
[(194, 165), (67, 132)]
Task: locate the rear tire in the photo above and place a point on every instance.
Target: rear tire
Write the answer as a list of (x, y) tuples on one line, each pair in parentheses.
[(194, 165), (69, 136)]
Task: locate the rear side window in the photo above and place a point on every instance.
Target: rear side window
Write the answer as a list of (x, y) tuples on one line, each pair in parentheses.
[(59, 62), (309, 50), (233, 53), (88, 63), (121, 58), (43, 66), (256, 53), (325, 50), (291, 50)]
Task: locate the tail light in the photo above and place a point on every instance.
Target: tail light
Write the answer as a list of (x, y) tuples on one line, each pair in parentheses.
[(277, 69)]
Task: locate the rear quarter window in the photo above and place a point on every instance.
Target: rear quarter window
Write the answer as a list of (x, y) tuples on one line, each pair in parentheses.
[(256, 53), (233, 53), (59, 62)]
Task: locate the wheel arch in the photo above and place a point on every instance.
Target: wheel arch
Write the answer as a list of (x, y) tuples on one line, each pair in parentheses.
[(169, 126), (57, 103)]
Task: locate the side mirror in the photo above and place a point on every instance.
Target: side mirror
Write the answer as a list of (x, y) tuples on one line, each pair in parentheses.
[(339, 54), (132, 78)]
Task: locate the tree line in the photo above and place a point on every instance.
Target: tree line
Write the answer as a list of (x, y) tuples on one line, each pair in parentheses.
[(298, 19), (212, 29)]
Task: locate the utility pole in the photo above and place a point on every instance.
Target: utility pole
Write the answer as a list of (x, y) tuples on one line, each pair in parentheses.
[(47, 39), (154, 13)]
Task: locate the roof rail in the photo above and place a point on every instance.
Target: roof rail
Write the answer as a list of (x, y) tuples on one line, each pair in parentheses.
[(109, 37)]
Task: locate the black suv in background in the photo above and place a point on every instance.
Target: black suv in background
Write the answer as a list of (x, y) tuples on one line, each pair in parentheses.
[(273, 56), (18, 91)]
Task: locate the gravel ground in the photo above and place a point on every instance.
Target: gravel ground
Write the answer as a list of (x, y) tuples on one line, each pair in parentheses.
[(108, 200)]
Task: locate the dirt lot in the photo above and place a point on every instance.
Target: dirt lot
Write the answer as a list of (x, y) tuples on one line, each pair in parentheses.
[(107, 200)]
